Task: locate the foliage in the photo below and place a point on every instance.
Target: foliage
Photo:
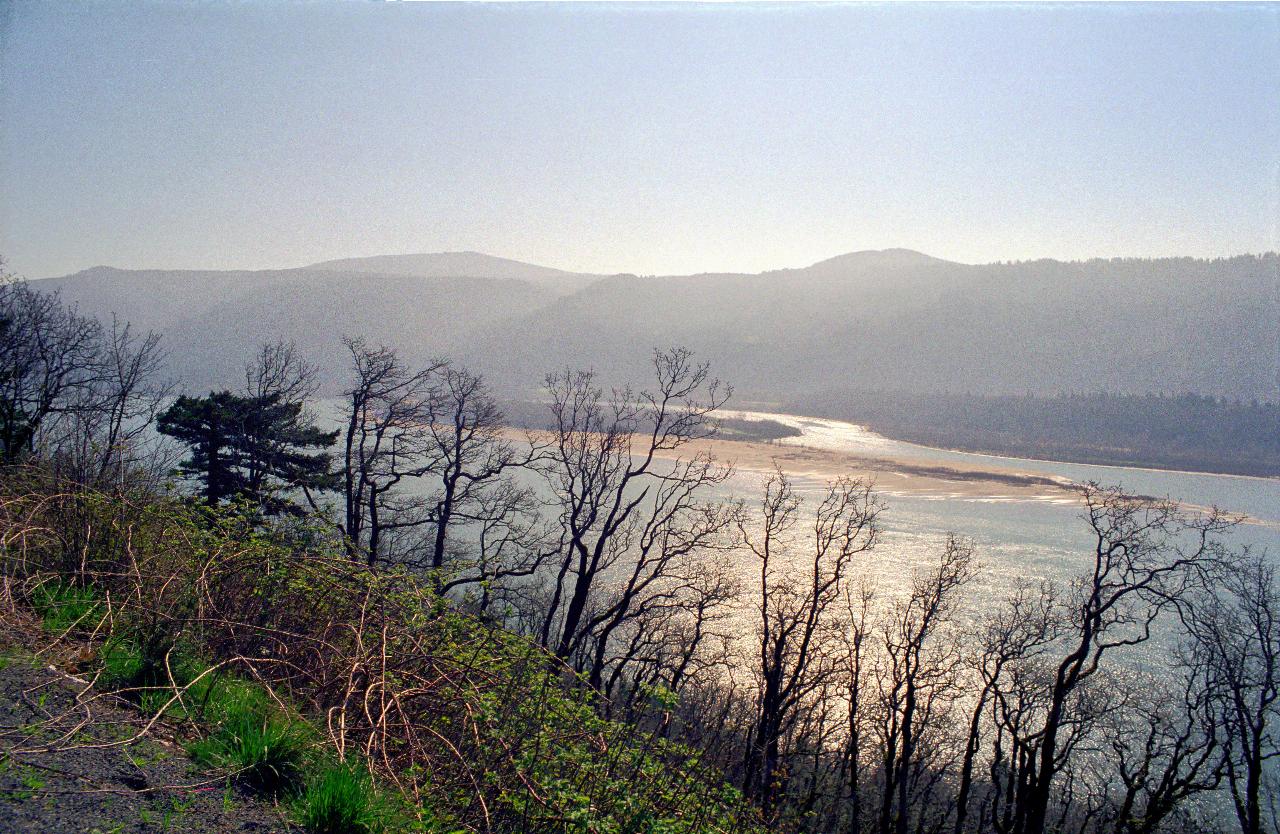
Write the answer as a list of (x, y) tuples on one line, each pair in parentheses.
[(476, 722), (249, 446)]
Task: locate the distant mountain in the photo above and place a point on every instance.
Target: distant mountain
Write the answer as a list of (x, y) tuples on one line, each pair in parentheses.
[(213, 321), (871, 259), (899, 320), (462, 265), (884, 320)]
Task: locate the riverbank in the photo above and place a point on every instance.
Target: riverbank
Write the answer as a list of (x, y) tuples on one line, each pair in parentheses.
[(892, 475), (1186, 433)]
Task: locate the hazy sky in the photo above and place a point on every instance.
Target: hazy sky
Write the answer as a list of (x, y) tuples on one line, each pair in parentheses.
[(642, 138)]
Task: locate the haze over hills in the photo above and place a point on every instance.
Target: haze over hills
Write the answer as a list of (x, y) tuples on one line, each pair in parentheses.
[(462, 264), (887, 320), (211, 321), (903, 321)]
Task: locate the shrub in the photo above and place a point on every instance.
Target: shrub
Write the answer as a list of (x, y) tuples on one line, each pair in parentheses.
[(477, 720)]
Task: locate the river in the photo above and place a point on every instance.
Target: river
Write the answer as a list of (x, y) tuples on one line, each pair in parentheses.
[(1037, 535)]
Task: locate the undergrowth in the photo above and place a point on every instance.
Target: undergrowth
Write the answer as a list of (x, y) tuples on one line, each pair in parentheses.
[(359, 697), (263, 750), (342, 799), (64, 607)]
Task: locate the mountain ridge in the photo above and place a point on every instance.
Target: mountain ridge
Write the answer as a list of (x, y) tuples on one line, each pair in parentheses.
[(462, 264), (891, 256), (891, 318)]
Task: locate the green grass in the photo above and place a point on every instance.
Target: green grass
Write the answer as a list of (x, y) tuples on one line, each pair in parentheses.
[(260, 747), (249, 735), (146, 681), (215, 698), (124, 666), (342, 800), (63, 606)]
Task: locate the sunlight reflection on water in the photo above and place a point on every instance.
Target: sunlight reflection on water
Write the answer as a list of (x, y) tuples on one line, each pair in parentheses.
[(1031, 537)]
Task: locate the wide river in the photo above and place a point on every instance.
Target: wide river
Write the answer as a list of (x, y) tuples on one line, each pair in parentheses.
[(1020, 530), (1037, 534)]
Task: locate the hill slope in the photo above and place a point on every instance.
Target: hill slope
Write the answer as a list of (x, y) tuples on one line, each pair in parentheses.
[(890, 320), (907, 322), (462, 265), (213, 321)]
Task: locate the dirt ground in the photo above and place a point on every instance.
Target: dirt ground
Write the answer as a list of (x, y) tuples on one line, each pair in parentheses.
[(67, 765)]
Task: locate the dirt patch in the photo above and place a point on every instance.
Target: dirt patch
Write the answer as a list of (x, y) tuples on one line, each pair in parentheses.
[(66, 765)]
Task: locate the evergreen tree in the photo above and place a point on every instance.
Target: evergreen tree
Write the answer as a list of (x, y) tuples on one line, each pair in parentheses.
[(250, 447)]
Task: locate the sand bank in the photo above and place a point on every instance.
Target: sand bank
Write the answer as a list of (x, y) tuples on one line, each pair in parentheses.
[(891, 475)]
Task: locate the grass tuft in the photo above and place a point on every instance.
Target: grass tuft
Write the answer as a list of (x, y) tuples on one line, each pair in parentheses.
[(63, 606), (343, 800), (262, 750)]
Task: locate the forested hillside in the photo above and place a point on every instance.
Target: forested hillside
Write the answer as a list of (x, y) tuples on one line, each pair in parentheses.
[(1180, 432), (892, 320), (211, 320)]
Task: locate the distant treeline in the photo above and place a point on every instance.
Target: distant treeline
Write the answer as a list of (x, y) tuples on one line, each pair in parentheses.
[(1187, 431)]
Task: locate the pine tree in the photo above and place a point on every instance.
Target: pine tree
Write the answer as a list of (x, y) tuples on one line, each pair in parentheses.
[(251, 448)]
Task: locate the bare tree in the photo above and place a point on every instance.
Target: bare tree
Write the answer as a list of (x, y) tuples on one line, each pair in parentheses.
[(801, 584), (106, 433), (504, 544), (82, 395), (855, 671), (1149, 558), (472, 469), (279, 371), (1237, 640), (1015, 634), (628, 498), (918, 684), (1166, 748), (429, 477), (50, 367), (276, 419), (387, 439)]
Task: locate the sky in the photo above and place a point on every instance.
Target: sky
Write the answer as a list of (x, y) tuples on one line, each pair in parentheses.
[(643, 138)]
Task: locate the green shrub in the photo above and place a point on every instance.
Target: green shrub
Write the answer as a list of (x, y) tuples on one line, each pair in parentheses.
[(475, 708)]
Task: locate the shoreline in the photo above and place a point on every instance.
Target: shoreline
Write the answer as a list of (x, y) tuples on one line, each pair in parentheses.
[(986, 452), (890, 475), (1145, 467), (800, 459), (1066, 456)]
